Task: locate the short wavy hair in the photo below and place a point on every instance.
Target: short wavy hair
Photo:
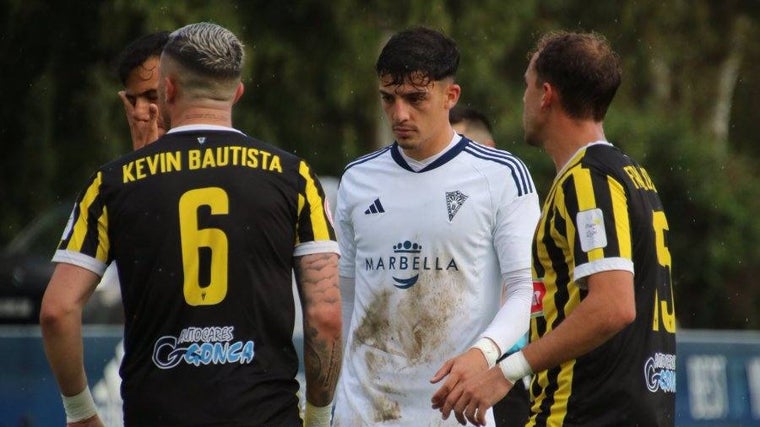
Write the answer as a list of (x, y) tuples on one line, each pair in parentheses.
[(139, 51), (418, 53), (584, 69)]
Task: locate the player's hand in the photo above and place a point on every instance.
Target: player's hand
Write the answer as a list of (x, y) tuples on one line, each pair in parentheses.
[(470, 399), (461, 368), (93, 421), (143, 122)]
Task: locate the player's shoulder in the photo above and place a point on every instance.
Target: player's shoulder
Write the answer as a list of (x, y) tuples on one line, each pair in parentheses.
[(500, 166), (368, 159), (603, 158), (492, 156)]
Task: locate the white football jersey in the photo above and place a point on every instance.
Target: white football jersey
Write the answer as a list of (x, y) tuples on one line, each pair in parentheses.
[(426, 250)]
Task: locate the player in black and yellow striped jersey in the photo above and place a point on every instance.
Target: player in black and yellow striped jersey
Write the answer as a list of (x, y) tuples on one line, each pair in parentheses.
[(603, 321), (206, 225), (603, 213)]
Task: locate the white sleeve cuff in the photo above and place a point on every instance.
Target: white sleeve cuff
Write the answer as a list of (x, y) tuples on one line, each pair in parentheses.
[(79, 407), (515, 367), (490, 351)]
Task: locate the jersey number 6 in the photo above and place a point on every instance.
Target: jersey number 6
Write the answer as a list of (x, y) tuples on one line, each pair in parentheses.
[(194, 239)]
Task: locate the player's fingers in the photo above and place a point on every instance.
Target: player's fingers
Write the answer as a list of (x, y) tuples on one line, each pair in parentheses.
[(481, 418), (451, 400), (444, 393), (469, 413), (125, 101), (440, 396), (459, 413), (153, 112), (443, 371)]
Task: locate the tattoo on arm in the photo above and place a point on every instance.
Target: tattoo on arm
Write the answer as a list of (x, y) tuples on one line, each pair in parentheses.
[(317, 279)]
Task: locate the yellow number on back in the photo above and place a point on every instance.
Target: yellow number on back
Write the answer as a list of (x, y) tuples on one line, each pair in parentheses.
[(664, 308), (193, 238)]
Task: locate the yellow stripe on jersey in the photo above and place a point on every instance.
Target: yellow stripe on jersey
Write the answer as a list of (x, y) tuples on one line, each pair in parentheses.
[(622, 221), (586, 199), (318, 220), (562, 394), (85, 226)]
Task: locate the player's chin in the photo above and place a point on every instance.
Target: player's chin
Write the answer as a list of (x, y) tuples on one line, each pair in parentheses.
[(406, 143)]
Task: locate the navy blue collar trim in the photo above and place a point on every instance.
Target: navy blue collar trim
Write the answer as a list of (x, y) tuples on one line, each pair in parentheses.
[(453, 152)]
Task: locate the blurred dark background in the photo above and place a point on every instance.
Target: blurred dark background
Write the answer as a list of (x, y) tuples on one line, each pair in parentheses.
[(687, 109)]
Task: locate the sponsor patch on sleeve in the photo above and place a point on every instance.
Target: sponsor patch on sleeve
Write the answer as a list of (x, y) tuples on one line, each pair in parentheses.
[(591, 229), (537, 306)]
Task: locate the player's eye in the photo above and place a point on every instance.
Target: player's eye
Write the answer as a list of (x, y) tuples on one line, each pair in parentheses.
[(416, 98)]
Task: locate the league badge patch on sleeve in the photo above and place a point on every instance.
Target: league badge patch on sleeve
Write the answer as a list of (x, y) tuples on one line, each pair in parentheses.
[(591, 229)]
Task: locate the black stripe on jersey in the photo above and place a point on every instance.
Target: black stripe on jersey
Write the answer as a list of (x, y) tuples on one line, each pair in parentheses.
[(367, 157), (516, 167), (601, 187), (548, 401), (560, 268), (92, 239), (492, 153), (570, 197)]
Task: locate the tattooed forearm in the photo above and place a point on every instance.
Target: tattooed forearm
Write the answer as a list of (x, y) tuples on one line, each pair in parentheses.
[(322, 360), (317, 279)]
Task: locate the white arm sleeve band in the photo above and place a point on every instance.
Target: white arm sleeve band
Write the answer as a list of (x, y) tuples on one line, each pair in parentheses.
[(317, 416), (347, 304), (515, 367), (513, 318), (489, 349), (79, 407)]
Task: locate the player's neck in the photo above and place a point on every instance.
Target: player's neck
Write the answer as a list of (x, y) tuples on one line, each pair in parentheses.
[(431, 147), (203, 115), (567, 139)]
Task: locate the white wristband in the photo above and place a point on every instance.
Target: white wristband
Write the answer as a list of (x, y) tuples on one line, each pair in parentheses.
[(490, 350), (79, 407), (515, 366), (317, 416)]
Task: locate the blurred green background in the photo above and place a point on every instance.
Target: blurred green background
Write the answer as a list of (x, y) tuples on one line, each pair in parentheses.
[(687, 109)]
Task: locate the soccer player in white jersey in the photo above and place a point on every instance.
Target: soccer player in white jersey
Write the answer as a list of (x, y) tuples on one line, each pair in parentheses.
[(433, 229)]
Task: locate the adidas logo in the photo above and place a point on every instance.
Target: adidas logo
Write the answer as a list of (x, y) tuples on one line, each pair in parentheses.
[(375, 207)]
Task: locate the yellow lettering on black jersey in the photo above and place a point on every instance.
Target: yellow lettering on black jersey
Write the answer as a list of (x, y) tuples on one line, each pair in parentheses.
[(151, 165)]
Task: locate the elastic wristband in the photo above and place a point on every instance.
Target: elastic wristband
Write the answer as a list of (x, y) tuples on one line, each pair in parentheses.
[(317, 416), (79, 407), (515, 367), (490, 351)]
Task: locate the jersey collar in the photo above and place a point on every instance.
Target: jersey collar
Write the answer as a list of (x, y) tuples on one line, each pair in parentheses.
[(448, 155), (189, 128)]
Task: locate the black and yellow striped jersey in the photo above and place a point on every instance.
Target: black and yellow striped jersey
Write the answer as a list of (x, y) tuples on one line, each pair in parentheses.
[(603, 213), (204, 225)]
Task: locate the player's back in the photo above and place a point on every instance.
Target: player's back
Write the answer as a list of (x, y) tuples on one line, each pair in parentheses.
[(629, 379), (203, 225)]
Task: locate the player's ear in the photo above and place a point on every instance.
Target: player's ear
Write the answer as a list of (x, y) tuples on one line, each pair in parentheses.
[(238, 92), (452, 95), (171, 90), (549, 95)]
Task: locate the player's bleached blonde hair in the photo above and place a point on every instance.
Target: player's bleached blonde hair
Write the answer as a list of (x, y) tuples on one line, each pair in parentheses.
[(210, 57)]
